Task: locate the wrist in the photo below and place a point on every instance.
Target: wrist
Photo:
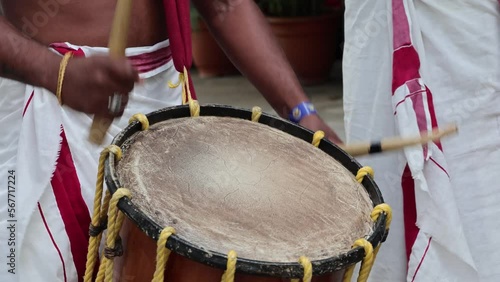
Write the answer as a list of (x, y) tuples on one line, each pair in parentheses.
[(301, 111), (48, 71)]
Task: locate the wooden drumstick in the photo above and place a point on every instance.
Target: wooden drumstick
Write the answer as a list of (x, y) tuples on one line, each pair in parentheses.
[(117, 44), (398, 143)]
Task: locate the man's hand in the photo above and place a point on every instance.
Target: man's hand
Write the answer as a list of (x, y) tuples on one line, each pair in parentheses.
[(89, 82), (315, 123)]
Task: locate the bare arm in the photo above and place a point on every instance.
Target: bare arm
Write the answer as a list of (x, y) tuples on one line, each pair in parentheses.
[(88, 83), (25, 60), (245, 35), (243, 32)]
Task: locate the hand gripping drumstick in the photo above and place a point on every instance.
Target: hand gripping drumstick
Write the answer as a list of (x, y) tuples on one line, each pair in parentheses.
[(117, 45), (392, 144)]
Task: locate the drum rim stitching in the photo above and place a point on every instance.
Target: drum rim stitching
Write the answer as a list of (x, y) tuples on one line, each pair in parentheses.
[(219, 260)]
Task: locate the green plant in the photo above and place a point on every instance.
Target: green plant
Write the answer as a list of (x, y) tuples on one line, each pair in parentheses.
[(292, 8)]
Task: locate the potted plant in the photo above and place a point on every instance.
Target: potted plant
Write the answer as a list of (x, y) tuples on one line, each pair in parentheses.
[(308, 33), (208, 58)]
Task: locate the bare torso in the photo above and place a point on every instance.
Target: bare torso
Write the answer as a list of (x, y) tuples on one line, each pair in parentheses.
[(85, 22)]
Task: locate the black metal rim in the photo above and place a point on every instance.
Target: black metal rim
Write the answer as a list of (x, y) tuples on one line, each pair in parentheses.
[(218, 260)]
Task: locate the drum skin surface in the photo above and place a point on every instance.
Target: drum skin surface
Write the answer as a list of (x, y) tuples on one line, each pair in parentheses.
[(232, 184)]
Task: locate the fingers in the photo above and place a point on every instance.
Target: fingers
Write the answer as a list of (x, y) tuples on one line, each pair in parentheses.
[(117, 76), (122, 71), (92, 82), (125, 76), (115, 79)]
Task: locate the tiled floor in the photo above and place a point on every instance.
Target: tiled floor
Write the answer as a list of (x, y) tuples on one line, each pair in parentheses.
[(237, 91)]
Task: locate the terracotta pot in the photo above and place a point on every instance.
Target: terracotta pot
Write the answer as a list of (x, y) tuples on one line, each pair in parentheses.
[(208, 57), (309, 43)]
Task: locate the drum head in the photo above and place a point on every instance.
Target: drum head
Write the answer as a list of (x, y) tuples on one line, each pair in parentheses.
[(227, 183)]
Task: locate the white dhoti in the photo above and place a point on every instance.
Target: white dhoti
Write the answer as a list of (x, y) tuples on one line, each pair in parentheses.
[(45, 146), (411, 66)]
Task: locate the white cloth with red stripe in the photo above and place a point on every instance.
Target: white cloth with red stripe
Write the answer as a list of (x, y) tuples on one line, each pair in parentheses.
[(48, 149), (411, 66)]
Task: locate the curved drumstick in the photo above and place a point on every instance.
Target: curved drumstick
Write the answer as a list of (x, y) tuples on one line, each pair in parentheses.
[(117, 44), (397, 143)]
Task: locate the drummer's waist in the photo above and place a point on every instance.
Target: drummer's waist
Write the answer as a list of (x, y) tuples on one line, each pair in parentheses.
[(145, 59)]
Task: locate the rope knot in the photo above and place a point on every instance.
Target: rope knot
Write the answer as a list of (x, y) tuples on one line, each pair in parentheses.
[(115, 150), (194, 108), (116, 251), (142, 119), (256, 113), (95, 230), (364, 171), (367, 246), (382, 208), (318, 135)]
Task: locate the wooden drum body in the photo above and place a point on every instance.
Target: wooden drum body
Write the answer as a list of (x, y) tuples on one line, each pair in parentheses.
[(238, 184), (138, 264)]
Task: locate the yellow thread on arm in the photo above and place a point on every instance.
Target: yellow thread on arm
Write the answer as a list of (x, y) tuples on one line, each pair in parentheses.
[(318, 135), (228, 275), (62, 72), (142, 119), (256, 113), (366, 264), (162, 254), (364, 171), (99, 214)]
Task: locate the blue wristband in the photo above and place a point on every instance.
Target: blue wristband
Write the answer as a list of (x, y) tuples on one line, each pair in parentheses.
[(301, 111)]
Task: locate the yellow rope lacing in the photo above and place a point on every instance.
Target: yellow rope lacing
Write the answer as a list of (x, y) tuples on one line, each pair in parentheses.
[(142, 119), (99, 212), (162, 254), (102, 209), (307, 265), (370, 254), (256, 113), (101, 206), (364, 171), (377, 211), (113, 243), (366, 264), (194, 106), (318, 135), (228, 275)]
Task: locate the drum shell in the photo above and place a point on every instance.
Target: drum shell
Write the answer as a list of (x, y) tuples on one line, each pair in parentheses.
[(139, 259), (140, 236)]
